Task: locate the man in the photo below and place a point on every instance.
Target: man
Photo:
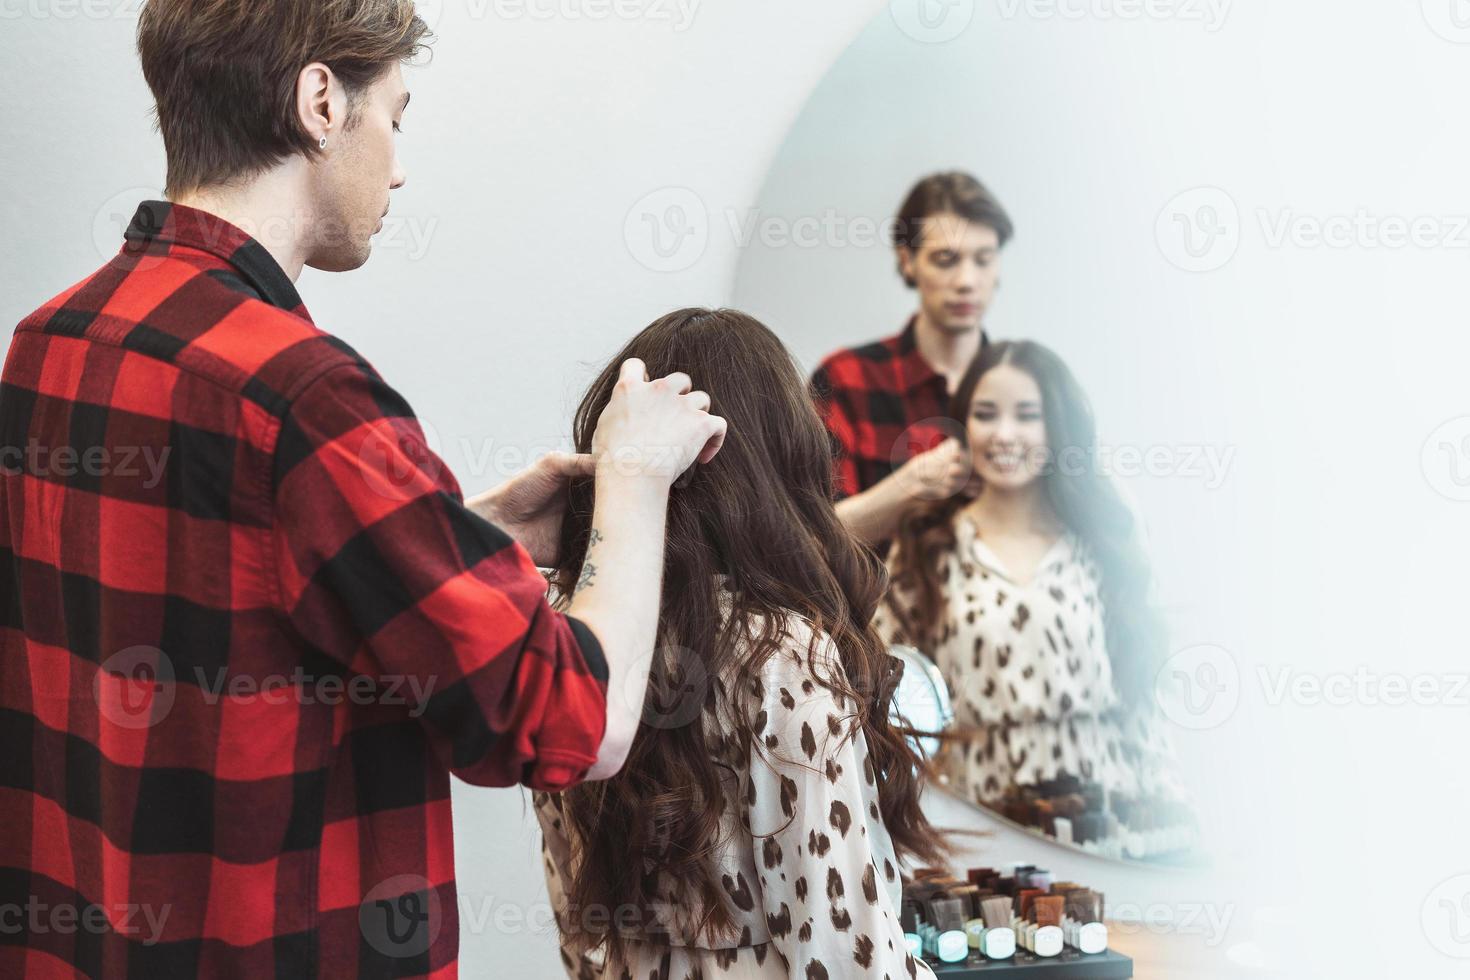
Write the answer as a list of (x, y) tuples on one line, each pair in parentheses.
[(886, 403), (233, 683)]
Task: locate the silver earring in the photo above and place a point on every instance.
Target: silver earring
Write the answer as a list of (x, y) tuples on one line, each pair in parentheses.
[(322, 143)]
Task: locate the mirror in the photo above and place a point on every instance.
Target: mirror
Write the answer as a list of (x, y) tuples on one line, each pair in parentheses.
[(1050, 714), (922, 700)]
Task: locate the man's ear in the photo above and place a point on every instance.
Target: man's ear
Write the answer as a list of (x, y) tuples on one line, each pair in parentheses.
[(906, 264), (320, 102)]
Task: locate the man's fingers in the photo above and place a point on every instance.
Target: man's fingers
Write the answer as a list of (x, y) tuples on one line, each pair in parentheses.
[(633, 370), (569, 465), (715, 441)]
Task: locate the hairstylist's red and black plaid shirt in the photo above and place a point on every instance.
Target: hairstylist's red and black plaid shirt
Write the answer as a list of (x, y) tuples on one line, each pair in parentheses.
[(247, 630), (883, 404)]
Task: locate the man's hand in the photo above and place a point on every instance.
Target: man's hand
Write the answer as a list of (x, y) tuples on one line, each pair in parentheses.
[(655, 429), (530, 505), (937, 474)]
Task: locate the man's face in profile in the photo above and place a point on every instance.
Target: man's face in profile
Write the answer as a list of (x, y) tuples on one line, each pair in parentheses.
[(354, 178)]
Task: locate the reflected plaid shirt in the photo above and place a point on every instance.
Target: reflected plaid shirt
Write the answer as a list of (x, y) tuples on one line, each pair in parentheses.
[(247, 630), (883, 404)]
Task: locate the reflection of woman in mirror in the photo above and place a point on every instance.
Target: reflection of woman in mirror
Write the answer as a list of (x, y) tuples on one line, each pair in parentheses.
[(1031, 595), (758, 825)]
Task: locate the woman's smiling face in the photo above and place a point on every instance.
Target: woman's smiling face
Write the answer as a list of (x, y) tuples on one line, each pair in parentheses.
[(1007, 428)]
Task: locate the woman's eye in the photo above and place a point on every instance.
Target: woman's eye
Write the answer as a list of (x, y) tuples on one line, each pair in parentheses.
[(397, 128)]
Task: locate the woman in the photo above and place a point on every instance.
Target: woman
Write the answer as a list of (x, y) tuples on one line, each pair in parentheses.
[(1030, 592), (758, 826)]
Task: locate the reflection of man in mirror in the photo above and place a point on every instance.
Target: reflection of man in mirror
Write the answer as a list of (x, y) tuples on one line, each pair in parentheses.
[(885, 402)]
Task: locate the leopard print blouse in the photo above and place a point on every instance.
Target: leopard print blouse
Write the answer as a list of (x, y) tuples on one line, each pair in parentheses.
[(807, 863), (1028, 671)]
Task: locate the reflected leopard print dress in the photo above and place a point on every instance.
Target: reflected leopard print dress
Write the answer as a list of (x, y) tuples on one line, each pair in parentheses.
[(1028, 671)]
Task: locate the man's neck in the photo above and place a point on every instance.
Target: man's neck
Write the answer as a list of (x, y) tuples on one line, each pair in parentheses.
[(270, 208), (949, 353)]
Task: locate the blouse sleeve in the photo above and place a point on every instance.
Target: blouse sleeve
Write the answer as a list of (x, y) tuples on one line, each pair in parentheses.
[(811, 801), (556, 854)]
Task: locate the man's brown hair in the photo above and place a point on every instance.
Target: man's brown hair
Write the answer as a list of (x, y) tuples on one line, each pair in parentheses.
[(223, 74), (951, 192)]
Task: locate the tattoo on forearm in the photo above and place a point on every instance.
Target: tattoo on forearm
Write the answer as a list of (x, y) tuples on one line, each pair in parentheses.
[(589, 570)]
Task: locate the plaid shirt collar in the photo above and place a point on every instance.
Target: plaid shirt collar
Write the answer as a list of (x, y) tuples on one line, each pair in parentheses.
[(910, 368), (166, 223)]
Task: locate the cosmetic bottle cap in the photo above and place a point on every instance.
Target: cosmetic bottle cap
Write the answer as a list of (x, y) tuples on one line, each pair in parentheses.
[(999, 944), (1047, 941)]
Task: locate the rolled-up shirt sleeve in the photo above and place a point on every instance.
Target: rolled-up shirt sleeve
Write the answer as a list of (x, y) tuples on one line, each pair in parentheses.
[(383, 569)]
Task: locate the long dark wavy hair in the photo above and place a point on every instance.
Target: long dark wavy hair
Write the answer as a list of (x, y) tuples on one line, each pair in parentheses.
[(1080, 495), (761, 514)]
